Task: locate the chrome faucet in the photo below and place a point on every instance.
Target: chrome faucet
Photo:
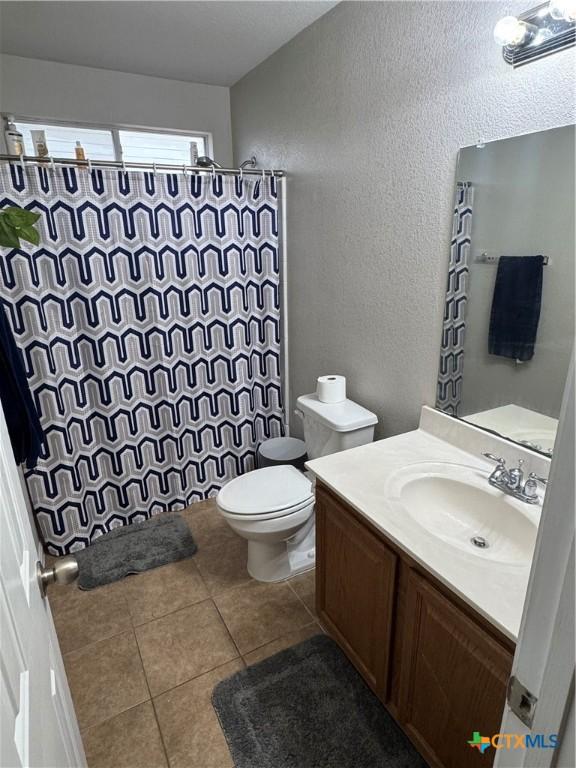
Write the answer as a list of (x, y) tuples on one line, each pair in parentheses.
[(511, 481)]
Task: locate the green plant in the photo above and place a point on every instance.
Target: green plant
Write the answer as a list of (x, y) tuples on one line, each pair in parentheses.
[(18, 224)]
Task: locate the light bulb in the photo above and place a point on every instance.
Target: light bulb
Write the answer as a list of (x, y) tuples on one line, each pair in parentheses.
[(562, 10), (510, 31), (542, 35)]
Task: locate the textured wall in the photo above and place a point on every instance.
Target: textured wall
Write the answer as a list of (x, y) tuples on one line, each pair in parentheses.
[(34, 88), (367, 109)]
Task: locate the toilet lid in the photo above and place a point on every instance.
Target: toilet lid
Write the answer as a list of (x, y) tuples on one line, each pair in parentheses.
[(266, 490)]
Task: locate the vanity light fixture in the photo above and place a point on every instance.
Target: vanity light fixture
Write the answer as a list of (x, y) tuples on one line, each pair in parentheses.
[(562, 10), (512, 32), (542, 30)]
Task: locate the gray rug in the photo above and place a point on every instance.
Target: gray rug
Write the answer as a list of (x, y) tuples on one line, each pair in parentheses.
[(134, 548), (307, 707)]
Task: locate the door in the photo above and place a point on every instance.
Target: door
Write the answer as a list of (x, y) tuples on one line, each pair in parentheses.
[(38, 723), (355, 581), (453, 678), (544, 659)]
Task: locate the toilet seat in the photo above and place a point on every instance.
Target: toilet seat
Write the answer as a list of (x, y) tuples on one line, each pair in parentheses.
[(246, 517), (266, 493)]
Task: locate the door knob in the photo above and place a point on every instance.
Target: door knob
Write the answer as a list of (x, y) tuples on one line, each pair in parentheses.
[(64, 571)]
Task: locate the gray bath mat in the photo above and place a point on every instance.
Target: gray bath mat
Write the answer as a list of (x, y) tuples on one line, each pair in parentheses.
[(133, 548), (307, 707)]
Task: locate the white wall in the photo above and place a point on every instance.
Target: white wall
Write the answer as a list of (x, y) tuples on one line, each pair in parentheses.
[(45, 89), (523, 205), (367, 109)]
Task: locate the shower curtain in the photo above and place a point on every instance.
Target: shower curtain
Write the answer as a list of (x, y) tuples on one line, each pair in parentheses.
[(451, 371), (149, 320)]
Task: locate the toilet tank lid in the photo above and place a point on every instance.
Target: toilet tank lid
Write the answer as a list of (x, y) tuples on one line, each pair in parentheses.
[(341, 417)]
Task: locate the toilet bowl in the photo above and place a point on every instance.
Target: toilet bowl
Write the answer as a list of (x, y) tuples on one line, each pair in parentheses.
[(269, 507), (273, 507)]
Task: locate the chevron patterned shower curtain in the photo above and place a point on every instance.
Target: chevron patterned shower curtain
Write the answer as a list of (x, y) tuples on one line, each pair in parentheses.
[(149, 322), (451, 371)]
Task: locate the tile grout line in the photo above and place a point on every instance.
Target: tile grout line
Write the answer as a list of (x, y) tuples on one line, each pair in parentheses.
[(167, 756), (113, 717), (133, 627), (240, 657), (280, 637), (196, 677), (132, 706), (227, 628), (151, 699), (96, 642), (314, 617)]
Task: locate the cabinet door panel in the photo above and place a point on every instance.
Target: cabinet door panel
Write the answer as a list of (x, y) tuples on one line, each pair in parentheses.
[(355, 588), (453, 678)]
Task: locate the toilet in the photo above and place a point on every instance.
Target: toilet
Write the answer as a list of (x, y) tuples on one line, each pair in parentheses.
[(273, 507)]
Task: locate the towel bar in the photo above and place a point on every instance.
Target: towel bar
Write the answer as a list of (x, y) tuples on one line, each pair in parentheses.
[(486, 258)]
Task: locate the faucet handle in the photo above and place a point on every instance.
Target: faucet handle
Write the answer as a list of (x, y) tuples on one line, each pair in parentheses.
[(530, 489), (500, 461), (534, 476)]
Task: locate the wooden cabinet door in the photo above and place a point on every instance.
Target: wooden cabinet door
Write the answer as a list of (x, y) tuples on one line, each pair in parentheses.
[(355, 573), (453, 679)]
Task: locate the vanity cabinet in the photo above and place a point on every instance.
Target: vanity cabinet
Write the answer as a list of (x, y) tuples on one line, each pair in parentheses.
[(453, 677), (439, 668), (355, 588)]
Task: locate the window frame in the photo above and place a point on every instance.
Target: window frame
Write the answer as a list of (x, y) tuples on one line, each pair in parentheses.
[(115, 129)]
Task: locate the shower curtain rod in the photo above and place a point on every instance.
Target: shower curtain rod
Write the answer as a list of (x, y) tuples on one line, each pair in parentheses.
[(50, 161)]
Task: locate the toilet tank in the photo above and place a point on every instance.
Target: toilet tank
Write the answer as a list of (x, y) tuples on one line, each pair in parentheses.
[(333, 427)]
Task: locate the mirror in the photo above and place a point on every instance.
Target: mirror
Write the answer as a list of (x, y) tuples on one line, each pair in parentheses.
[(508, 329)]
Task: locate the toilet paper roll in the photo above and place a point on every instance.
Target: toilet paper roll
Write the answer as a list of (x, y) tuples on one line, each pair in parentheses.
[(331, 389)]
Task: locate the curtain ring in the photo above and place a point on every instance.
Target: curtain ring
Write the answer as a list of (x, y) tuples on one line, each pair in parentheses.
[(124, 166), (184, 170), (89, 165), (263, 174), (213, 172), (154, 169), (241, 173), (52, 164), (22, 161)]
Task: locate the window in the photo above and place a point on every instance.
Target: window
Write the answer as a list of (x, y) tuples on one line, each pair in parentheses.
[(147, 147), (133, 146), (61, 140)]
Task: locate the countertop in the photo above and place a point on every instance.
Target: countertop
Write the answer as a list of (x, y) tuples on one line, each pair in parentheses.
[(360, 476)]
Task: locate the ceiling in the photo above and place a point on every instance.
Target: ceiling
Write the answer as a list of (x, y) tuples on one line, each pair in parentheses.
[(202, 42)]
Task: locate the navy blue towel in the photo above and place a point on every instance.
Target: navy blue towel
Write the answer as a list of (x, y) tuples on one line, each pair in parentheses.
[(516, 307), (22, 419)]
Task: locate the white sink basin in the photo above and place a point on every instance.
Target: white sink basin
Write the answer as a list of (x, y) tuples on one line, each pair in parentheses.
[(454, 503)]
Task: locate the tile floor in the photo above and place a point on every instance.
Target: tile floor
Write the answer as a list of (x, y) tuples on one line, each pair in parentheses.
[(142, 655)]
